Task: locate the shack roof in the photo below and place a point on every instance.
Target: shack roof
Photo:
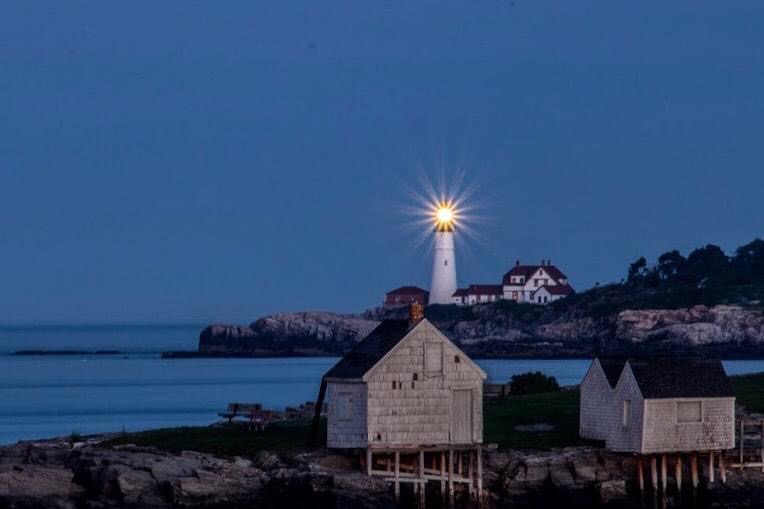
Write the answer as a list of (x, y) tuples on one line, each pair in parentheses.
[(370, 350), (681, 378), (612, 368)]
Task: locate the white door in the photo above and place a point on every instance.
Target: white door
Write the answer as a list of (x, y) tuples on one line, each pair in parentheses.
[(461, 416)]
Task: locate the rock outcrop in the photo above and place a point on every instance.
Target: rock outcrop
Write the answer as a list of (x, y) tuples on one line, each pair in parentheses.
[(488, 330), (56, 474)]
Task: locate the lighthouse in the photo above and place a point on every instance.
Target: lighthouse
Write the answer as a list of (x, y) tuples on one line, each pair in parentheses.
[(444, 257)]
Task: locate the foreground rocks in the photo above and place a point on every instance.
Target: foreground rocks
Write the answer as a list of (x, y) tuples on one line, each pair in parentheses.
[(491, 331), (56, 474)]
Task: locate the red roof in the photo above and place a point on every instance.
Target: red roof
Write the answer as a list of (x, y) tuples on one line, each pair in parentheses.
[(527, 271), (485, 290), (407, 290), (559, 289)]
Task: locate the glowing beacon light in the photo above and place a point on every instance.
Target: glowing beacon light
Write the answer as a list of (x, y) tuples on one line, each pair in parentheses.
[(443, 283)]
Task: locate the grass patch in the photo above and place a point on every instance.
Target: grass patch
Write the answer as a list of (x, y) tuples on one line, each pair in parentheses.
[(225, 440), (749, 390), (560, 409)]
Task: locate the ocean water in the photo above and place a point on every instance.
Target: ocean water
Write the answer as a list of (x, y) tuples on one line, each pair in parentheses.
[(46, 396)]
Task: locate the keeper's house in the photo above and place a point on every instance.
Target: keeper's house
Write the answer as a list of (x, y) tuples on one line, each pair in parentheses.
[(405, 385), (649, 406)]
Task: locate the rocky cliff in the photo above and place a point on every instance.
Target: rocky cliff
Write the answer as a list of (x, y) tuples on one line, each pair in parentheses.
[(90, 475), (498, 331)]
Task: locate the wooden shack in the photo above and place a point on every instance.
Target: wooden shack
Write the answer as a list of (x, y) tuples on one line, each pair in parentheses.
[(407, 390), (653, 406)]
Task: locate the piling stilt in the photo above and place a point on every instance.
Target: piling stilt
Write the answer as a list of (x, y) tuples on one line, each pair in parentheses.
[(451, 478), (480, 474), (762, 445), (711, 466), (742, 440), (471, 474), (640, 474), (664, 473), (678, 472), (654, 472), (421, 485), (443, 475), (722, 468), (369, 457), (694, 469), (397, 476)]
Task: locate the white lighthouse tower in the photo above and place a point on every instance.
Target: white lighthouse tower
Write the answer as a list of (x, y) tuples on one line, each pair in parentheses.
[(444, 260)]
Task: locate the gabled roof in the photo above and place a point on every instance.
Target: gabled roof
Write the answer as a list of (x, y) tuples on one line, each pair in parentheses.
[(527, 271), (485, 290), (681, 378), (558, 289), (370, 350), (460, 292), (612, 368), (407, 290)]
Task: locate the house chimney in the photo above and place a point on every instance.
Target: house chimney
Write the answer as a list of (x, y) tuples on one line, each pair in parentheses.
[(517, 263), (416, 313)]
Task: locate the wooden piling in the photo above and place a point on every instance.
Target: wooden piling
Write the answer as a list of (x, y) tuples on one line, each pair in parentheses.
[(722, 468), (678, 472), (421, 485), (480, 474), (443, 475), (711, 466), (694, 469), (369, 458), (742, 440), (451, 478), (640, 474), (762, 445), (471, 473), (654, 472), (397, 476), (664, 473)]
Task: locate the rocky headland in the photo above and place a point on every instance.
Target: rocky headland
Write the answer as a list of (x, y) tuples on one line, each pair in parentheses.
[(91, 474), (510, 330)]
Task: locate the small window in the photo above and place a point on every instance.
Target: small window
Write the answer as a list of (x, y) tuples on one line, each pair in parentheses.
[(457, 360), (415, 376), (626, 413), (433, 358), (445, 262), (395, 385), (689, 411)]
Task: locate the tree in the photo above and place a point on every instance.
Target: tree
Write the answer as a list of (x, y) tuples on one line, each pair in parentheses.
[(637, 269), (530, 383), (671, 264), (749, 261), (709, 265)]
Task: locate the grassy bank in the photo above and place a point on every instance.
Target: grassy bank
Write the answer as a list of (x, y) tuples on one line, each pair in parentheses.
[(501, 420)]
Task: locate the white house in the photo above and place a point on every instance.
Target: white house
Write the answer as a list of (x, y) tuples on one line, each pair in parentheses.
[(477, 294), (652, 406), (537, 284)]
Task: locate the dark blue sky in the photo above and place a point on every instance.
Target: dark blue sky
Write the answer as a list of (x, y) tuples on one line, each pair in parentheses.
[(218, 161)]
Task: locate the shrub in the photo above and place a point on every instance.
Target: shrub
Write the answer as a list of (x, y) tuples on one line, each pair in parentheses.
[(531, 383)]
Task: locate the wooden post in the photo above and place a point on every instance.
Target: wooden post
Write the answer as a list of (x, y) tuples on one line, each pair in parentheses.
[(480, 474), (451, 478), (664, 473), (654, 472), (640, 474), (317, 414), (397, 476), (421, 476), (742, 439), (694, 469), (443, 476), (722, 468), (470, 474), (459, 466), (369, 458), (711, 466), (678, 472)]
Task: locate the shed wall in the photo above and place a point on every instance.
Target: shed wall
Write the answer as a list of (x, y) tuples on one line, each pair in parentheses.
[(619, 437), (348, 432), (664, 434), (419, 414), (596, 407)]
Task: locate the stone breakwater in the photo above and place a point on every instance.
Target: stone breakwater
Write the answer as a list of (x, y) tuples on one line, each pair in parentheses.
[(57, 474), (490, 331)]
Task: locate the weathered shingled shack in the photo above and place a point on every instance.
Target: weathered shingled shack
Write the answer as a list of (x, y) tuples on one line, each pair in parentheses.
[(406, 389), (658, 407)]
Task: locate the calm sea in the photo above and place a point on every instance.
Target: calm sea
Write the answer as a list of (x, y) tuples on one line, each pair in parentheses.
[(50, 396)]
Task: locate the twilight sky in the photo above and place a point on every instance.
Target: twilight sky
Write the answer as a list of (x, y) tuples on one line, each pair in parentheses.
[(179, 160)]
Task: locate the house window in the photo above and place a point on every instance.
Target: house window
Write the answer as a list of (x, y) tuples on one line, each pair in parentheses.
[(433, 358), (445, 262), (689, 411), (626, 418), (344, 406)]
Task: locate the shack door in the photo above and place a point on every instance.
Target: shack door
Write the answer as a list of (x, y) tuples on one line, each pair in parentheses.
[(461, 416)]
